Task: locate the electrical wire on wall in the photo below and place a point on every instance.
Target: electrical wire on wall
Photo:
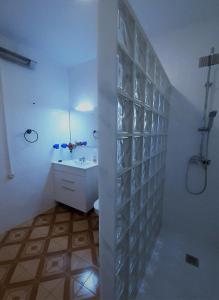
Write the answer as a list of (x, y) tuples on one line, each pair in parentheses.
[(11, 173)]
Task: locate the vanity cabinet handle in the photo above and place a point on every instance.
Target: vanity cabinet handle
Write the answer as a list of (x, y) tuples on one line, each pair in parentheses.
[(69, 189), (67, 180)]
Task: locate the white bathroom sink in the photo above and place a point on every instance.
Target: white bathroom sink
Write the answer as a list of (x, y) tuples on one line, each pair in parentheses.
[(75, 163)]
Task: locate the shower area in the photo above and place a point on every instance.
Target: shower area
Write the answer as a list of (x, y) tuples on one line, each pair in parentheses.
[(134, 102)]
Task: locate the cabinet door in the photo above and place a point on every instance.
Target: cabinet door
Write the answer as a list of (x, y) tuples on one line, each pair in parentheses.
[(69, 189)]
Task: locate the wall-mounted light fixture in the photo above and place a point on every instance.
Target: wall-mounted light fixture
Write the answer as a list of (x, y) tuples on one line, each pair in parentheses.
[(85, 106)]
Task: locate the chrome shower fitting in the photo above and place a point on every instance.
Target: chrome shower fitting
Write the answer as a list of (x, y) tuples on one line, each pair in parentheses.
[(202, 159)]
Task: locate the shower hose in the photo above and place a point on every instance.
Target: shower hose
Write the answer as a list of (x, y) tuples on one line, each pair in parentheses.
[(204, 163)]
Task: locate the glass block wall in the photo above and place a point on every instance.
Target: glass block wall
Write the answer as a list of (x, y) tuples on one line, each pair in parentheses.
[(142, 125)]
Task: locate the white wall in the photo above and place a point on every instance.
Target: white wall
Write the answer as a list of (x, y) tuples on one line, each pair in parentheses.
[(83, 87), (195, 217), (47, 85)]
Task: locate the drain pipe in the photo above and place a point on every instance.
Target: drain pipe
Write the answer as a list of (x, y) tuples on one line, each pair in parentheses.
[(11, 174)]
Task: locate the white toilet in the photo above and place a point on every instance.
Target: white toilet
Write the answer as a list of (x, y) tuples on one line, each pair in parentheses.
[(96, 206)]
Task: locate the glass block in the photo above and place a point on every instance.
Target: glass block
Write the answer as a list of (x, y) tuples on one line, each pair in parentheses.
[(149, 90), (164, 84), (164, 106), (145, 193), (133, 260), (138, 118), (135, 206), (143, 219), (125, 74), (124, 115), (157, 73), (149, 210), (133, 283), (166, 126), (152, 186), (140, 49), (151, 63), (122, 222), (156, 100), (147, 121), (139, 86), (123, 188), (126, 27), (122, 281), (122, 253), (133, 235), (152, 166), (136, 178), (154, 124), (145, 171), (159, 143), (142, 267), (153, 145), (123, 296), (137, 149), (161, 108), (165, 142), (146, 147), (124, 146)]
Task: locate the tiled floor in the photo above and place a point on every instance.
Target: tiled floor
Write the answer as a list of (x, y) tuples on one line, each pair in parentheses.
[(53, 257)]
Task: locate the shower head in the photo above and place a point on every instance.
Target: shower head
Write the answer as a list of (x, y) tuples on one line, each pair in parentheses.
[(209, 60), (211, 117)]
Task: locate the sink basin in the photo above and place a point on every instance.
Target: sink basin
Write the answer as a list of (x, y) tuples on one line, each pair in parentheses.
[(75, 163)]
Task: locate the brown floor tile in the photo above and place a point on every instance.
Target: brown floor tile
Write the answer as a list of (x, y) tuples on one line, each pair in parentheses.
[(81, 259), (3, 273), (95, 223), (25, 224), (41, 270), (25, 270), (33, 248), (55, 264), (60, 229), (80, 225), (62, 208), (50, 211), (79, 216), (43, 220), (39, 232), (62, 217), (16, 236), (78, 291), (58, 244), (2, 236), (81, 239), (96, 236), (20, 293), (51, 290), (92, 283), (9, 252)]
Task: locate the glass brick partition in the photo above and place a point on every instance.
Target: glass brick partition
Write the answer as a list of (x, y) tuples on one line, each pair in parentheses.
[(139, 103)]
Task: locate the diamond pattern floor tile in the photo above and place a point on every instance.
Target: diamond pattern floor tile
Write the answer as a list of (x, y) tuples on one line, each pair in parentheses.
[(52, 257)]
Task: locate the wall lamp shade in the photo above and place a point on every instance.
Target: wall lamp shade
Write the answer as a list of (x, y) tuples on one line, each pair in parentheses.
[(84, 107)]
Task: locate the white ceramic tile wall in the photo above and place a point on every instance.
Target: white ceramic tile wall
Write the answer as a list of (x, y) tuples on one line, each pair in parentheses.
[(138, 141)]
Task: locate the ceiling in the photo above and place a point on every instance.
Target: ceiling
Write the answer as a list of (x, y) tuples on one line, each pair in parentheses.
[(67, 29), (160, 16)]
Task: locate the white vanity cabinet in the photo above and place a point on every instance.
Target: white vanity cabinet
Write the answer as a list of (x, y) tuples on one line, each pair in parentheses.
[(75, 184)]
